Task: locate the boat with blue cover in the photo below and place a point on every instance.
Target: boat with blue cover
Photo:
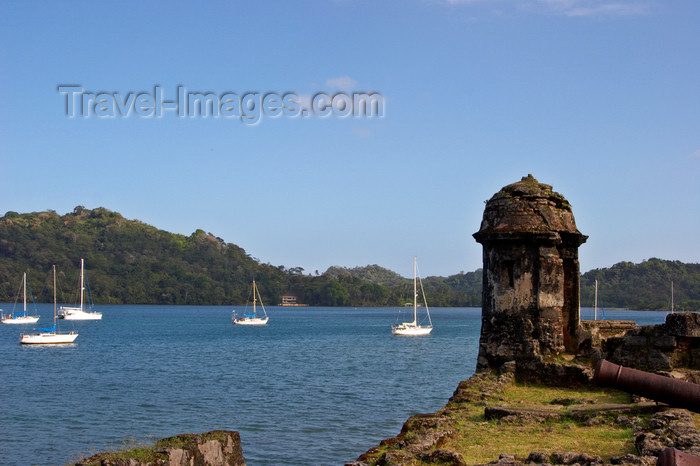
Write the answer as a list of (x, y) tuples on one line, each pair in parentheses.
[(252, 319), (48, 336), (23, 317)]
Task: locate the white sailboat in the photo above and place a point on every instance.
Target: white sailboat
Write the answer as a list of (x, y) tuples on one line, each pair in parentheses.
[(22, 318), (252, 319), (414, 327), (49, 336), (79, 313)]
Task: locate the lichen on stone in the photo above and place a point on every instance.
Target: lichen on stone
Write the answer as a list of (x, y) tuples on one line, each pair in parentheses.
[(527, 206)]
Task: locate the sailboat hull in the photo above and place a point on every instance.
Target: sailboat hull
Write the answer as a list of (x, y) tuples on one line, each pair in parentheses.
[(410, 330), (21, 320), (74, 313), (47, 338), (250, 321), (78, 313)]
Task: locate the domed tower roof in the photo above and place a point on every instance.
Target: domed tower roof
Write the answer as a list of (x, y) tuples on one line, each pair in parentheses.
[(528, 208)]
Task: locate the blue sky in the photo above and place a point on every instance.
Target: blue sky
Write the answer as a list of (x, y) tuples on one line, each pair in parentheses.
[(600, 99)]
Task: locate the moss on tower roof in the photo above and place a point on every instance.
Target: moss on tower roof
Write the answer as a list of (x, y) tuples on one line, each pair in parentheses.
[(527, 206)]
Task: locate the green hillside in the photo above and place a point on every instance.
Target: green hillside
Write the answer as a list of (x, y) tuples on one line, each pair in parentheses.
[(463, 289), (130, 262), (127, 260), (644, 286), (371, 273)]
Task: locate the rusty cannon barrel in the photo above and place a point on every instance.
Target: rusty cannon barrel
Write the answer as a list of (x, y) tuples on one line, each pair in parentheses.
[(672, 457), (674, 392)]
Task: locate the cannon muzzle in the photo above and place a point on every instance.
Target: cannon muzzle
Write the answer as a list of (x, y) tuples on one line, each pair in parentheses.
[(674, 392)]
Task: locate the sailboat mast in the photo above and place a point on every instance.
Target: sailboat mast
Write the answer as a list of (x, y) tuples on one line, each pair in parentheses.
[(254, 297), (54, 294), (595, 309), (671, 296), (24, 279), (82, 287), (415, 293)]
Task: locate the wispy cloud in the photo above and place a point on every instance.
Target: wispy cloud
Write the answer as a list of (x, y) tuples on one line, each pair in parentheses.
[(344, 83), (595, 7), (695, 155), (572, 8)]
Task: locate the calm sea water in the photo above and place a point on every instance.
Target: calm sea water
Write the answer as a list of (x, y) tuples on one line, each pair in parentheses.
[(314, 386)]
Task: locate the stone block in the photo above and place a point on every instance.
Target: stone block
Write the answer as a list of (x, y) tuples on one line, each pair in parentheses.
[(636, 341), (664, 341), (683, 324), (659, 360)]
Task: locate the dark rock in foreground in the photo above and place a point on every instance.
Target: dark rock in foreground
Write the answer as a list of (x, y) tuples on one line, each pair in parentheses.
[(218, 447)]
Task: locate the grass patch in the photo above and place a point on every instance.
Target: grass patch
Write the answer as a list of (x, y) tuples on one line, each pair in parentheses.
[(172, 442), (522, 394), (485, 440), (143, 450), (696, 419), (479, 440), (146, 454)]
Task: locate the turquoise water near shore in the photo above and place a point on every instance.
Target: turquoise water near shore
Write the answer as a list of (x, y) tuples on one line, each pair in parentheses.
[(314, 386)]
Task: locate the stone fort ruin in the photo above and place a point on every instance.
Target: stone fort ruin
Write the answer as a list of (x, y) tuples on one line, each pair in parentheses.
[(530, 297), (530, 301)]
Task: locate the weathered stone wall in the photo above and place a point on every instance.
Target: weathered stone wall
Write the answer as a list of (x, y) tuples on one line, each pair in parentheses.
[(595, 332), (671, 345), (513, 323)]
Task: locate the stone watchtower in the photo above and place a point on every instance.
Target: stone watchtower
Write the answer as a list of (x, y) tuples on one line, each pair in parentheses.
[(530, 298)]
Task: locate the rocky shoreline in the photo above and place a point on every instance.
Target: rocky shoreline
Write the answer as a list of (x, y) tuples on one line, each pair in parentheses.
[(427, 438)]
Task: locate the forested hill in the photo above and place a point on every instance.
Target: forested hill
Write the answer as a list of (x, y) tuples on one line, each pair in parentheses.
[(462, 289), (371, 273), (646, 285), (130, 262), (127, 261)]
